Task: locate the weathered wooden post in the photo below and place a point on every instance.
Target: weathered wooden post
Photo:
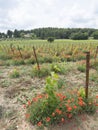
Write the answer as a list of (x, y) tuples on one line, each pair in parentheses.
[(96, 53), (36, 58), (87, 73)]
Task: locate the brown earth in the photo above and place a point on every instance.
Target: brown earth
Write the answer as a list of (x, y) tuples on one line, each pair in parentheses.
[(14, 91)]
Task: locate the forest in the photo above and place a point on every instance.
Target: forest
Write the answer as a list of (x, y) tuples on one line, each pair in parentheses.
[(56, 33)]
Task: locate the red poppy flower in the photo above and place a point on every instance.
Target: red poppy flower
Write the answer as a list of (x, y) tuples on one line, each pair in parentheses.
[(48, 119), (97, 96), (39, 123), (69, 109), (75, 107)]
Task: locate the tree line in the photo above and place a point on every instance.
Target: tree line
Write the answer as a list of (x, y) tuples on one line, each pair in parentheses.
[(56, 33)]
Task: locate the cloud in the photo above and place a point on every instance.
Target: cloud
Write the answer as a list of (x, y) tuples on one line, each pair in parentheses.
[(28, 14)]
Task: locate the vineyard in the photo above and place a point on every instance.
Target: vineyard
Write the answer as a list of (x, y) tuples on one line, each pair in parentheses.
[(24, 68), (21, 51)]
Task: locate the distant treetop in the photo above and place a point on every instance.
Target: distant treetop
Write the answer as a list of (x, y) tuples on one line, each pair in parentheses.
[(56, 33)]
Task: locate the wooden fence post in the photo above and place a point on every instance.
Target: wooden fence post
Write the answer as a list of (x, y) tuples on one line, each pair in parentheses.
[(96, 53), (87, 73), (36, 58)]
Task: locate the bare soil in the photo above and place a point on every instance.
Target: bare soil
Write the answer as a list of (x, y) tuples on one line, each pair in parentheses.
[(13, 91)]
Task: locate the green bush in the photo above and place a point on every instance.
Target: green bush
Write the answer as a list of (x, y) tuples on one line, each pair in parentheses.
[(15, 73), (50, 39), (81, 68), (55, 68), (59, 68), (44, 71), (53, 107)]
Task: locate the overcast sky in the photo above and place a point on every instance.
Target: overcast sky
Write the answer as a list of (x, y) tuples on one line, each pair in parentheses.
[(30, 14)]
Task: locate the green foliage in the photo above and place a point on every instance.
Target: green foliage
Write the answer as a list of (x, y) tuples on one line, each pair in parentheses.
[(81, 68), (50, 39), (16, 33), (9, 33), (94, 77), (82, 92), (5, 83), (62, 50), (95, 35), (1, 111), (53, 107), (48, 59), (22, 35), (89, 107), (30, 61), (15, 73), (51, 83), (5, 56), (46, 105), (3, 35), (60, 68), (79, 36), (81, 57), (33, 36), (94, 64), (56, 68), (18, 62), (61, 83), (44, 71), (57, 33)]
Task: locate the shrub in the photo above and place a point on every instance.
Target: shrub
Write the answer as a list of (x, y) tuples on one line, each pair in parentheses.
[(81, 68), (50, 39), (44, 71), (55, 68), (14, 73), (82, 92), (53, 107), (59, 68)]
